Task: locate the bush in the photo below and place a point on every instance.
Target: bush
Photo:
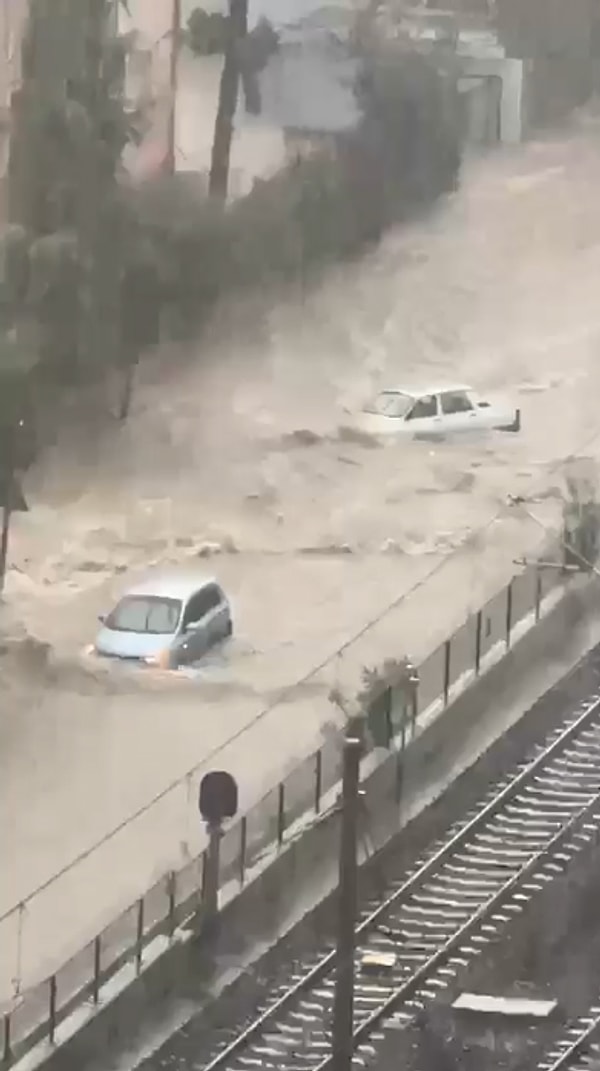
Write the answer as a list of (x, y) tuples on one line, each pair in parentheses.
[(328, 207)]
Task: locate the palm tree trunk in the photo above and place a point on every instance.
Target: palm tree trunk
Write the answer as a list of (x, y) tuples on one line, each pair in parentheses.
[(228, 94)]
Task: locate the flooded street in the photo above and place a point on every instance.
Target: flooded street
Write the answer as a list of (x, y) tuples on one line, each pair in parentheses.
[(245, 449)]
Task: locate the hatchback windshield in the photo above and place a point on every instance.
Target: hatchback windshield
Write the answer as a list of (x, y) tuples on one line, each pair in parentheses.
[(145, 613), (390, 403)]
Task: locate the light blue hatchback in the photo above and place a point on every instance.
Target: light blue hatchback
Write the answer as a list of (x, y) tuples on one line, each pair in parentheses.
[(170, 619)]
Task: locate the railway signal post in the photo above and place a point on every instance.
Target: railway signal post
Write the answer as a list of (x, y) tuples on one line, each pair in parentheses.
[(217, 800), (343, 1009)]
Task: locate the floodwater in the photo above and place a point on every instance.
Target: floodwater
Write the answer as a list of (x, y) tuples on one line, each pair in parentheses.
[(242, 444)]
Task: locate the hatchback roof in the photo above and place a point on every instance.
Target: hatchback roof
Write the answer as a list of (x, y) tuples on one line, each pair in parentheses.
[(171, 584)]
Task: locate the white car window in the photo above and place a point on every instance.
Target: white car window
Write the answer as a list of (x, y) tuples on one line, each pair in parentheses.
[(391, 403), (424, 407), (456, 401)]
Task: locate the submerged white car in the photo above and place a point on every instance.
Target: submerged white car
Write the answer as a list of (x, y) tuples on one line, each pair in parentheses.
[(435, 411)]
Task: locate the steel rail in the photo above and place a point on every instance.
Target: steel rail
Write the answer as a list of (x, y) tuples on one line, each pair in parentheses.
[(558, 742)]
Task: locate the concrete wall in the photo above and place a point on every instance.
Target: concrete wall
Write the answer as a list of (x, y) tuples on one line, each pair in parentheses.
[(482, 99), (557, 39), (510, 73), (305, 872)]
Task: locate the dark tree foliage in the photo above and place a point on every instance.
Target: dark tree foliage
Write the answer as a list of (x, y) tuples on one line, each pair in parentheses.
[(328, 206), (65, 254)]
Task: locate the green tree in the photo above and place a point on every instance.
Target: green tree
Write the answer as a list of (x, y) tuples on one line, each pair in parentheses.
[(70, 126)]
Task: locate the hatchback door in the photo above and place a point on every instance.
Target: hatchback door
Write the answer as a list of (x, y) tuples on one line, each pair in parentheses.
[(194, 638), (204, 623), (217, 617)]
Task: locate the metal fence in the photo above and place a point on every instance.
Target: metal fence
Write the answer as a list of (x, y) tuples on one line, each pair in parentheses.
[(35, 1014)]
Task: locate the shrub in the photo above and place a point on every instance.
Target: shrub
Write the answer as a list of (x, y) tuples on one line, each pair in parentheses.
[(403, 154)]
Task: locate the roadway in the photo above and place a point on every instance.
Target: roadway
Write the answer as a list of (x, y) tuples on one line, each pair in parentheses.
[(498, 287)]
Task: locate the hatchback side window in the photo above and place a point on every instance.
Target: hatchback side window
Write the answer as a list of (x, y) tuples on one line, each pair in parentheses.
[(213, 596), (197, 607), (456, 401), (425, 407)]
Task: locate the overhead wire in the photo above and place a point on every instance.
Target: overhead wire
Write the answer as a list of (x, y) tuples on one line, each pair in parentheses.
[(289, 690)]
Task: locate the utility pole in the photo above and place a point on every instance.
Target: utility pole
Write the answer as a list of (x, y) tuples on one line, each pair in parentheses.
[(343, 1008), (173, 88), (237, 30), (11, 495)]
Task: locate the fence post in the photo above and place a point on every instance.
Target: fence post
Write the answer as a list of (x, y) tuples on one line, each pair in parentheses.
[(538, 592), (139, 937), (509, 602), (243, 840), (478, 627), (446, 671), (204, 880), (171, 890), (280, 812), (52, 1009), (401, 750), (97, 965), (6, 1046), (398, 785), (318, 780)]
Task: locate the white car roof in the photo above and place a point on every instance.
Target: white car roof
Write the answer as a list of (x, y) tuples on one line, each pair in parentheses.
[(426, 388), (171, 585)]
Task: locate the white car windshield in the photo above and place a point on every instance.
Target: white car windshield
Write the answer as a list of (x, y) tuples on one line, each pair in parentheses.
[(145, 613), (390, 403)]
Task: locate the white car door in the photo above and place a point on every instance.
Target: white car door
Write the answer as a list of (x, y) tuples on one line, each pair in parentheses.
[(424, 416), (459, 412)]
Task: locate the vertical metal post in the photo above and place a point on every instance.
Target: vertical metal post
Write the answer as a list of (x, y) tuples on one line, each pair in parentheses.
[(52, 1009), (97, 968), (210, 892), (478, 625), (243, 840), (139, 937), (538, 593), (343, 1008), (399, 782), (318, 779), (414, 701), (447, 652), (171, 890), (280, 813), (509, 602)]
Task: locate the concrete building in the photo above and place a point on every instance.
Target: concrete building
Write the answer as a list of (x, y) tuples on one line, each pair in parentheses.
[(545, 51), (12, 19), (301, 80)]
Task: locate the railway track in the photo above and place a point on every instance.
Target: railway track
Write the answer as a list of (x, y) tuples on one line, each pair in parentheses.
[(578, 1048), (455, 901)]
